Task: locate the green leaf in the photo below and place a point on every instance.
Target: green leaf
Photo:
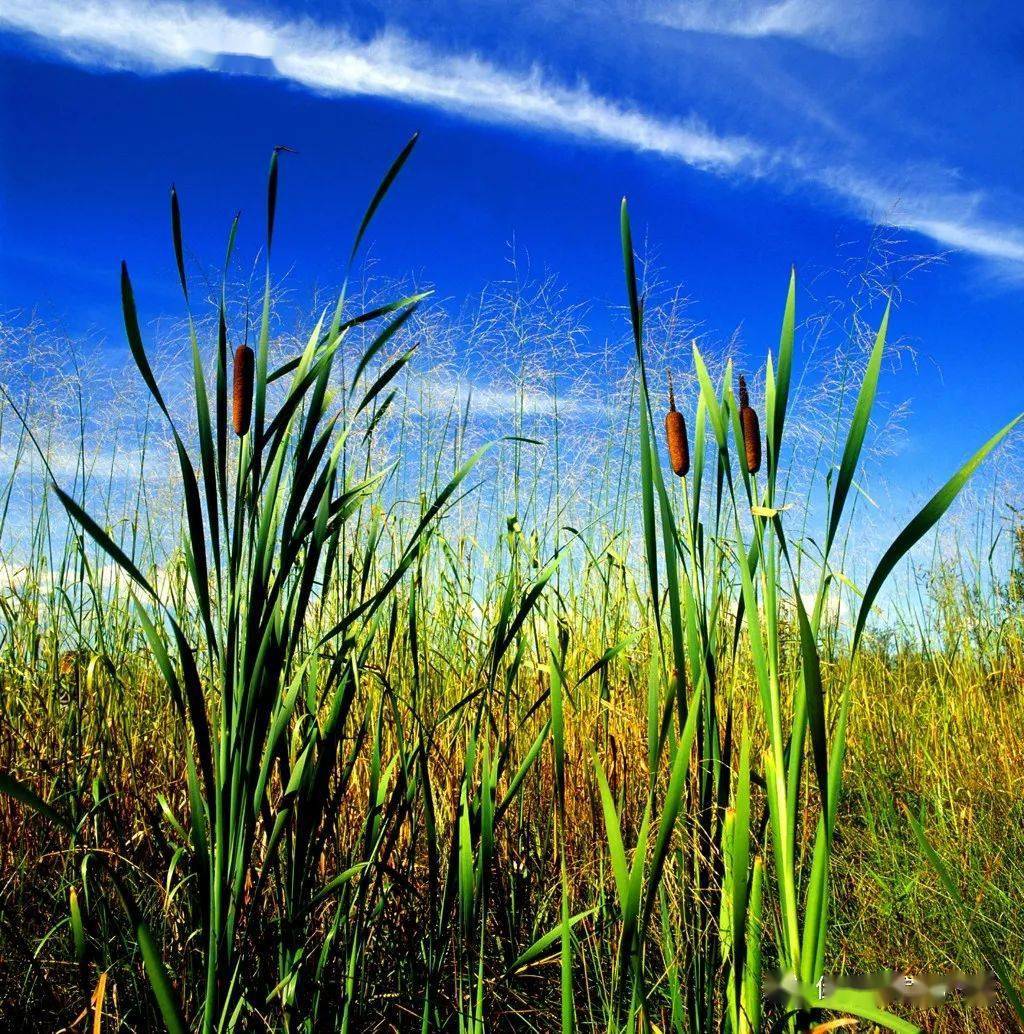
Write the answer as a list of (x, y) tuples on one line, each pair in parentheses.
[(814, 695), (159, 981), (380, 341), (385, 185), (20, 792), (629, 261), (77, 926), (710, 397), (131, 326), (608, 656), (385, 378), (862, 1004), (780, 395), (272, 178), (672, 803), (616, 849), (858, 429), (741, 844), (521, 773), (179, 256), (540, 946), (923, 523)]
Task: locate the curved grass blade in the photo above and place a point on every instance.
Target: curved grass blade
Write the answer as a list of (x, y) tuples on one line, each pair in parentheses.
[(385, 379), (540, 947), (179, 256), (608, 656), (858, 428), (922, 523), (102, 539), (385, 185), (134, 335), (862, 1004), (159, 981), (27, 796), (381, 340)]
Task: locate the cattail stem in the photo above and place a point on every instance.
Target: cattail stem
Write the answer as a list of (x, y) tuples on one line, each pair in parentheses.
[(675, 434), (245, 366), (751, 430)]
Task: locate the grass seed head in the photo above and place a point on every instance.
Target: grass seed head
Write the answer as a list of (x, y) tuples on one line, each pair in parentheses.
[(751, 430), (675, 433), (245, 365)]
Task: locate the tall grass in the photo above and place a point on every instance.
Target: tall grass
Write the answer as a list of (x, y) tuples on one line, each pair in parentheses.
[(390, 739)]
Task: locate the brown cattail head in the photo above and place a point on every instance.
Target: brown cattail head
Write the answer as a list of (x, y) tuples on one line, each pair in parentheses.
[(675, 433), (744, 397), (245, 366), (751, 430)]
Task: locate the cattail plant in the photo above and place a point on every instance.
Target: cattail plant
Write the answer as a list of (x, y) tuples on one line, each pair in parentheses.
[(253, 559), (751, 429), (722, 910), (675, 434), (245, 368)]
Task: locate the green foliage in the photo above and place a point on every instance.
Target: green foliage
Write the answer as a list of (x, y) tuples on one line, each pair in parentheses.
[(391, 757)]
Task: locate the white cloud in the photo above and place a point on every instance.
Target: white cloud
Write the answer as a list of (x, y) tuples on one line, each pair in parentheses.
[(439, 392), (817, 22), (926, 205), (168, 36), (65, 464), (165, 36)]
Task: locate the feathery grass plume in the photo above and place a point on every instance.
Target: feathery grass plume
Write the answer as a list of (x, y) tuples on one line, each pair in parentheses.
[(751, 429), (245, 367), (675, 434)]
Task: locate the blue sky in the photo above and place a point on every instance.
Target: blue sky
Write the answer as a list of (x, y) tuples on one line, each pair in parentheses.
[(748, 135)]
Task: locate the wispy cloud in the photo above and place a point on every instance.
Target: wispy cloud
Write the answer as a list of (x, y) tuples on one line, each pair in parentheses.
[(167, 36), (820, 23), (65, 465), (441, 392), (922, 203)]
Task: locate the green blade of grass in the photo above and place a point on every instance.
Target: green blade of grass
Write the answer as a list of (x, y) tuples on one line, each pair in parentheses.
[(381, 192), (159, 981), (922, 524), (814, 696), (858, 429), (540, 947), (27, 796)]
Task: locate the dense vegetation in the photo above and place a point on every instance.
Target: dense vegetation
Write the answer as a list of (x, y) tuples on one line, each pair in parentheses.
[(374, 725)]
